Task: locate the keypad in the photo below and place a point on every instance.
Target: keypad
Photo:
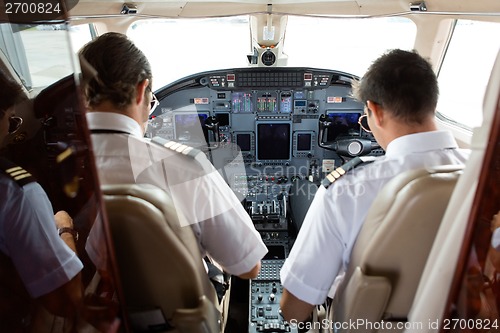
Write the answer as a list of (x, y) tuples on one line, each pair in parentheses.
[(270, 270)]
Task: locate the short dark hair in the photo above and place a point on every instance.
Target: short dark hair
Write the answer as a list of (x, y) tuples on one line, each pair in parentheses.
[(120, 66), (403, 82), (10, 93)]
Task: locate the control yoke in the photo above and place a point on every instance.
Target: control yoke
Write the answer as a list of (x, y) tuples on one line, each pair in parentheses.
[(352, 146)]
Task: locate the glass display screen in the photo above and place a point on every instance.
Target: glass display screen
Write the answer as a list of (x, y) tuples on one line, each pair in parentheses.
[(275, 252), (190, 127), (273, 141), (343, 124), (304, 142), (243, 141), (222, 118)]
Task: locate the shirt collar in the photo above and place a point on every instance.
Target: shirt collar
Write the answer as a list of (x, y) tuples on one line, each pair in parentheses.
[(113, 121), (420, 142)]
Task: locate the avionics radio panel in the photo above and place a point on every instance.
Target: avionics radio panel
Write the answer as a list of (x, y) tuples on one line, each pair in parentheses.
[(265, 295)]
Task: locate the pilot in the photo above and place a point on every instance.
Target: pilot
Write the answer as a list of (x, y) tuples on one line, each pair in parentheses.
[(400, 93), (119, 101), (37, 249)]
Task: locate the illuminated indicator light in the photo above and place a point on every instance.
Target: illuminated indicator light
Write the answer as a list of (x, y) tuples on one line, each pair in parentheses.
[(334, 99), (308, 76), (202, 100), (230, 77)]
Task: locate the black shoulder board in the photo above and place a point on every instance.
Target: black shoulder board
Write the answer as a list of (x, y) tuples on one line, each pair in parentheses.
[(177, 147), (341, 170), (18, 174)]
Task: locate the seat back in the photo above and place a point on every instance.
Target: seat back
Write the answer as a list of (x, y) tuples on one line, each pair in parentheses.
[(164, 282), (392, 247)]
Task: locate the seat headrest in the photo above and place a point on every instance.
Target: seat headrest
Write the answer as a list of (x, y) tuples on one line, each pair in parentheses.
[(49, 99)]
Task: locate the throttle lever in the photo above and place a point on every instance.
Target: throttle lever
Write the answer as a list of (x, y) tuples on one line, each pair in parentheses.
[(212, 125)]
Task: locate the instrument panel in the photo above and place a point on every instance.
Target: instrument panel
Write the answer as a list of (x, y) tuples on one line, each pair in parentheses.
[(263, 129), (270, 117)]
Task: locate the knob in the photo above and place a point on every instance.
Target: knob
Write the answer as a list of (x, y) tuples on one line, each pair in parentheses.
[(260, 297), (272, 297)]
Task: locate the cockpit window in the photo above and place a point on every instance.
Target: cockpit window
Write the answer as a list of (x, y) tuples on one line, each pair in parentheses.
[(177, 48), (41, 54), (466, 69), (349, 45), (346, 44)]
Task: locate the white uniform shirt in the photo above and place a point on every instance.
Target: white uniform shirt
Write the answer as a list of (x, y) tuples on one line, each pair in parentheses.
[(223, 228), (334, 219), (28, 235), (495, 239)]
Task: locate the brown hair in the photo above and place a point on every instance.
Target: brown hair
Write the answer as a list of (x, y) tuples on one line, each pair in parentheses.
[(10, 93), (120, 66), (403, 82)]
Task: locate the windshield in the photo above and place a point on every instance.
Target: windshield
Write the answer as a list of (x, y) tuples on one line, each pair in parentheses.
[(349, 45), (41, 54), (177, 48), (466, 69)]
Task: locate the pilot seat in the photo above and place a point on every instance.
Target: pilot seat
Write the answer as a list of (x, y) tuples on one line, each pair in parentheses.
[(392, 247), (165, 285)]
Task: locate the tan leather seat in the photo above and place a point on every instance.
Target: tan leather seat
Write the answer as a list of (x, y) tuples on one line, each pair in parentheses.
[(392, 247), (159, 262)]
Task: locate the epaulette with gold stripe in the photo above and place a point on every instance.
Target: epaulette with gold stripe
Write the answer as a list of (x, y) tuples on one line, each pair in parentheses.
[(344, 168), (177, 147), (18, 174)]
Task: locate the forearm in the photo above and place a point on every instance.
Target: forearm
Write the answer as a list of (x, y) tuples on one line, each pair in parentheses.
[(293, 308), (64, 224), (65, 300), (252, 273), (69, 240)]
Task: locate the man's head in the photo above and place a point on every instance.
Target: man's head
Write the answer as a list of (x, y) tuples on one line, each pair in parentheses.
[(404, 87), (124, 74), (10, 94)]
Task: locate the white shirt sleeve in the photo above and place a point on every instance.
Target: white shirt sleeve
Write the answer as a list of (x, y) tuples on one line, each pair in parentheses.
[(325, 240), (219, 221), (495, 239), (227, 233), (43, 261), (316, 256)]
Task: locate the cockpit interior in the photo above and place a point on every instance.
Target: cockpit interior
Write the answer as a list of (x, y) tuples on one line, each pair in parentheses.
[(272, 133), (275, 116)]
